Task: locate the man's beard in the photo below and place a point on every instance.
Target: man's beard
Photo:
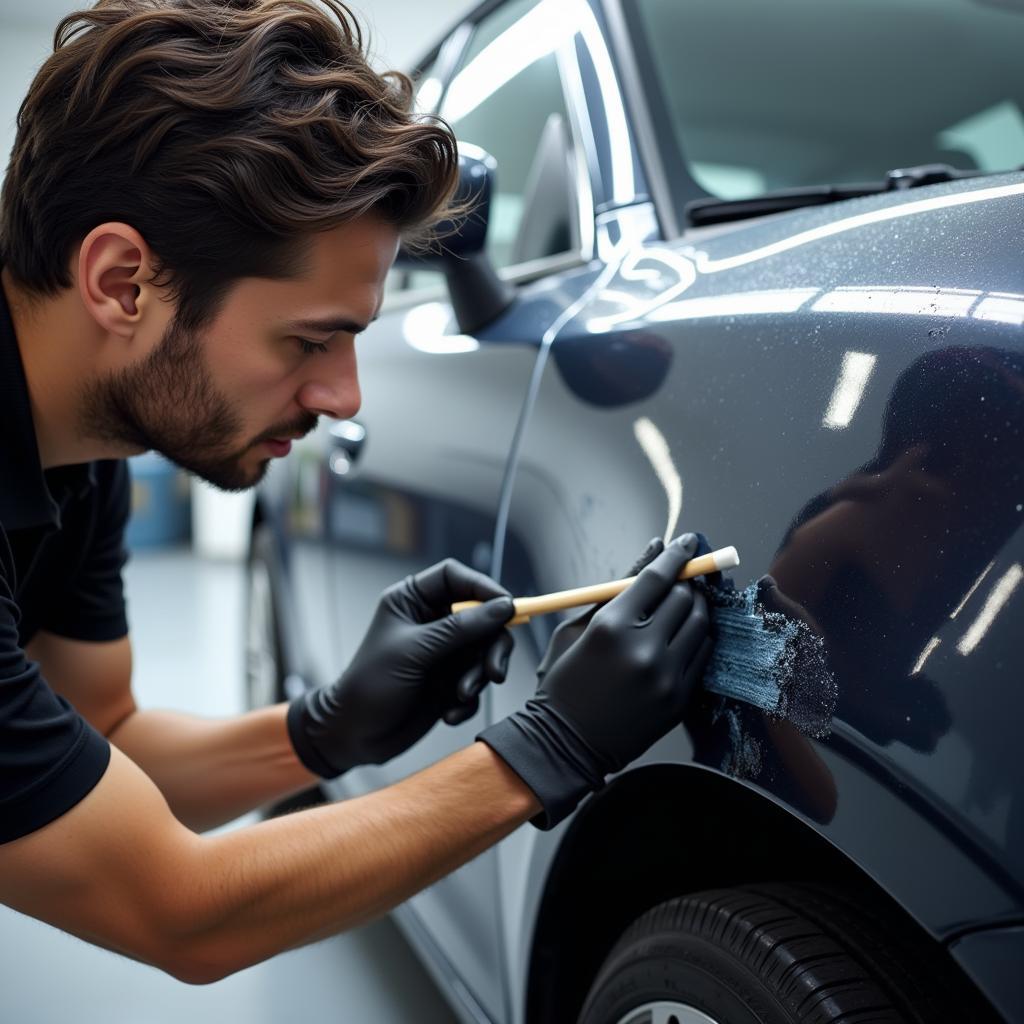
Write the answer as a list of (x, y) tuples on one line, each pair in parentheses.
[(168, 403)]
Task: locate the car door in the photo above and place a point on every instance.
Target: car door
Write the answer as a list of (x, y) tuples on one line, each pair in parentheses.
[(417, 475), (837, 431), (794, 386)]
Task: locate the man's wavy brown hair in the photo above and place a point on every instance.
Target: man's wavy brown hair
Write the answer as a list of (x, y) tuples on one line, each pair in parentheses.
[(226, 132)]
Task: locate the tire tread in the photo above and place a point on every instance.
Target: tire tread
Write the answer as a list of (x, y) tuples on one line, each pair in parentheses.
[(817, 955)]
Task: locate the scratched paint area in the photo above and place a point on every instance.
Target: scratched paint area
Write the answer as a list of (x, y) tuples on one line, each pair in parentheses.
[(770, 660)]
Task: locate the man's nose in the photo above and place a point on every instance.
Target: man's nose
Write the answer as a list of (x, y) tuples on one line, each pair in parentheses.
[(332, 388)]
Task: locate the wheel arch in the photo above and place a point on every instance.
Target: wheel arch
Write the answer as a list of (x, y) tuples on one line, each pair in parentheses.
[(741, 837)]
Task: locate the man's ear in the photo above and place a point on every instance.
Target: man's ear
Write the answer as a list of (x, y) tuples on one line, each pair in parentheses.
[(115, 270)]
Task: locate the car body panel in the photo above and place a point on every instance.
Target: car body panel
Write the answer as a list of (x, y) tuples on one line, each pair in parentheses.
[(993, 958), (810, 387), (648, 422)]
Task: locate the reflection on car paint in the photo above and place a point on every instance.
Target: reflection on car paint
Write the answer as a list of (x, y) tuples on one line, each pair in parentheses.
[(701, 365), (656, 447), (903, 536)]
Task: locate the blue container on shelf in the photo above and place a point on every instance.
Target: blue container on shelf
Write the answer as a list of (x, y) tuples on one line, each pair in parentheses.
[(160, 503)]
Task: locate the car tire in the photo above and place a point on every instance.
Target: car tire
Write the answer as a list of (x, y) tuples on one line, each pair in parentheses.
[(773, 954), (264, 665)]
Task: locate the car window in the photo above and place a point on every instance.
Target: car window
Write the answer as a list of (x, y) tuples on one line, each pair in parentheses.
[(401, 279), (829, 93), (428, 88), (501, 99)]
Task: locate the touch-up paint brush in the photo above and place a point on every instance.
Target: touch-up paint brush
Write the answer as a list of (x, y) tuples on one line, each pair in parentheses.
[(762, 655), (526, 607)]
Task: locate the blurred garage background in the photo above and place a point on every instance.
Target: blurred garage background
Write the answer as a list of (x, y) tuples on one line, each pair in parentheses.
[(186, 556)]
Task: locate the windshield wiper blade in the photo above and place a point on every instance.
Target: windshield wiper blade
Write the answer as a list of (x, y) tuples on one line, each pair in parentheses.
[(699, 212)]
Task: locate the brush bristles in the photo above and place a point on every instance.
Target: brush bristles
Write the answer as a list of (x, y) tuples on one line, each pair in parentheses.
[(771, 661)]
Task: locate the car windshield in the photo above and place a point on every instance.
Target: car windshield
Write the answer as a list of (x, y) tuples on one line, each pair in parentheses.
[(749, 97)]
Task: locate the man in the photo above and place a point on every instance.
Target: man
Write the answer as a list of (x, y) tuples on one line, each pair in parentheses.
[(204, 199)]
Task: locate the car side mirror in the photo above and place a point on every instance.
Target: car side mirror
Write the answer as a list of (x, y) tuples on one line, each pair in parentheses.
[(478, 294)]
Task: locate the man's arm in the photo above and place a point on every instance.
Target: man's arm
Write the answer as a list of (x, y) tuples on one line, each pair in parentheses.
[(209, 771), (120, 871)]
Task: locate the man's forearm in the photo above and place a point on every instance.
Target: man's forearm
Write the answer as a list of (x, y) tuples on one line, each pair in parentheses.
[(120, 871), (212, 771), (296, 879)]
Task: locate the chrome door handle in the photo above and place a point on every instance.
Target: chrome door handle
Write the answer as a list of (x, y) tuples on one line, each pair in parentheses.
[(347, 440)]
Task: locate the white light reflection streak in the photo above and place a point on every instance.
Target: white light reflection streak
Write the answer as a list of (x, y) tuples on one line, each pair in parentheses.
[(1002, 309), (853, 379), (780, 300), (424, 330), (623, 179), (428, 95), (451, 345), (1001, 593), (583, 153), (656, 448), (636, 308), (913, 301), (970, 593), (537, 34), (925, 655), (626, 228)]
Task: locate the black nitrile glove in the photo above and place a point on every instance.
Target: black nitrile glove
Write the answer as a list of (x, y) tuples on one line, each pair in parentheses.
[(569, 631), (413, 664), (614, 692)]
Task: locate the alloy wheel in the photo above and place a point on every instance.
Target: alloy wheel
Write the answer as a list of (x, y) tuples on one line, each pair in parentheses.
[(666, 1013)]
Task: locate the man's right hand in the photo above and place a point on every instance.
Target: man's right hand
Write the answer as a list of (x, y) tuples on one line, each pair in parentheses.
[(416, 664), (617, 690)]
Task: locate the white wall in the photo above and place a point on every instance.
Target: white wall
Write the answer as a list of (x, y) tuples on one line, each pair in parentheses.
[(400, 31), (22, 49)]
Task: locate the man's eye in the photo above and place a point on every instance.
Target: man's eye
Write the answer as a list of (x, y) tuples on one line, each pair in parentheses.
[(311, 347)]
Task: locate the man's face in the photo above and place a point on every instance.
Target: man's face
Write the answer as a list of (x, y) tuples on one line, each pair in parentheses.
[(222, 401)]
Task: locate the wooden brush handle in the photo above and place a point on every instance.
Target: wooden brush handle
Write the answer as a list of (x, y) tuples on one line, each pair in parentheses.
[(527, 607)]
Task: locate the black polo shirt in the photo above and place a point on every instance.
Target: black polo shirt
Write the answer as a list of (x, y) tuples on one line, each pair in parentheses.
[(61, 555)]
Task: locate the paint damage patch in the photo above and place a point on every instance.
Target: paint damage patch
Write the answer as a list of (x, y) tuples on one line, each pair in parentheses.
[(770, 660)]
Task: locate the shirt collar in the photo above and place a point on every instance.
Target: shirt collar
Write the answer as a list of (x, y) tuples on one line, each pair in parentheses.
[(28, 496)]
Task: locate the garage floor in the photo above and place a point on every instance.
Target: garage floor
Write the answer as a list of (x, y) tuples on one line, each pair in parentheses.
[(186, 617)]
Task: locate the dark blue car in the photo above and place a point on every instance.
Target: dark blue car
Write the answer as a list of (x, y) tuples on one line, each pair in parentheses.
[(758, 270)]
